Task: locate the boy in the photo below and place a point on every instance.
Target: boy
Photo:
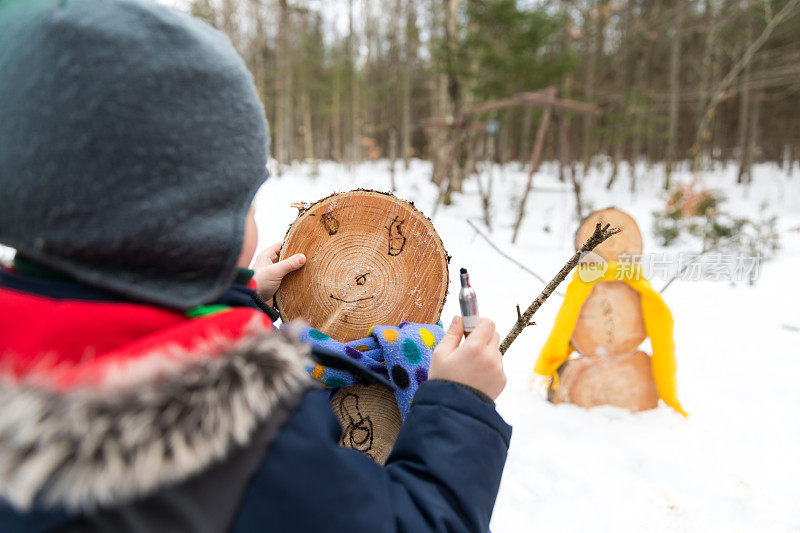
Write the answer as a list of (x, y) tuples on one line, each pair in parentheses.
[(139, 392)]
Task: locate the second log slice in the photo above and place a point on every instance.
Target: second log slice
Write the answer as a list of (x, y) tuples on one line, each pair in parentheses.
[(610, 321), (369, 418), (371, 259)]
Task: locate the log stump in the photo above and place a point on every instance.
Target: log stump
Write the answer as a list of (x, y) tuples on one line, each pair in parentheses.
[(620, 380), (629, 242), (370, 419), (371, 259), (610, 321)]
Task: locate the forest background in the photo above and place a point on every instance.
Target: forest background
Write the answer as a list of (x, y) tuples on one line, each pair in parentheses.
[(677, 81)]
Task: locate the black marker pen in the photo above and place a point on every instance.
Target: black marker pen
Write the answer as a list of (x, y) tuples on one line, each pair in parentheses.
[(468, 303)]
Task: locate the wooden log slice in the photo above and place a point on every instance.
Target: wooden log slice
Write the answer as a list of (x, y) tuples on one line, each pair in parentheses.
[(610, 322), (629, 242), (370, 419), (371, 259), (621, 380)]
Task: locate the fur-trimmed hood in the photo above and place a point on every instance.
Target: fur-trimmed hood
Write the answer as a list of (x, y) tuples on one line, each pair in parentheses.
[(151, 420)]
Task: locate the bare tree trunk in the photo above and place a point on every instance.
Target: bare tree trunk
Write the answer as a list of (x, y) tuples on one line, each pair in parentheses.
[(564, 156), (229, 25), (410, 57), (503, 137), (488, 157), (472, 143), (744, 110), (258, 45), (450, 28), (536, 156), (355, 126), (392, 157), (440, 139), (453, 90), (283, 81), (205, 10), (753, 139), (699, 147), (336, 116), (444, 179), (563, 134), (485, 192), (639, 118), (525, 133), (674, 88), (308, 132), (614, 169), (576, 190), (748, 151), (598, 30), (619, 128), (566, 89)]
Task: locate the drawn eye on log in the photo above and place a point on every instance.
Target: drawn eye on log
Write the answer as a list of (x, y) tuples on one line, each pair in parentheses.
[(397, 240), (362, 279), (358, 432), (330, 223)]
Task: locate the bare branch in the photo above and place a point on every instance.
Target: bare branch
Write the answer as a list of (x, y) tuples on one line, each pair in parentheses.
[(600, 234), (519, 317)]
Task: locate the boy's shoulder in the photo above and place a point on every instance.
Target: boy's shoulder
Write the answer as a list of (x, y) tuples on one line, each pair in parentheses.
[(148, 415)]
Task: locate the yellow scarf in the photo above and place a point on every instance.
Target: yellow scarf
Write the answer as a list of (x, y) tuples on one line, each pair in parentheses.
[(657, 323)]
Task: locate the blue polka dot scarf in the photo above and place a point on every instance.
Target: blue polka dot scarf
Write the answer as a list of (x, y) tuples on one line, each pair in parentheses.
[(402, 354)]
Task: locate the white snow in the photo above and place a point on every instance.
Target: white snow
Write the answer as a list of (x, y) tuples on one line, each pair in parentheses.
[(733, 465)]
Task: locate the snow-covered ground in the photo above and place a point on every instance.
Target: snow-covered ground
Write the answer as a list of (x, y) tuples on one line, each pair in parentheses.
[(733, 465)]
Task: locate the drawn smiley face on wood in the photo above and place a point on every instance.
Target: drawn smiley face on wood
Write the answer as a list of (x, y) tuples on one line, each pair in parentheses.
[(371, 259)]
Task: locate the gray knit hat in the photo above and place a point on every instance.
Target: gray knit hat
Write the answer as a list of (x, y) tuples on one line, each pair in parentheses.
[(132, 142)]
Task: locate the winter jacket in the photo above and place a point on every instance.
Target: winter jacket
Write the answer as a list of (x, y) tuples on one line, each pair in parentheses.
[(118, 416)]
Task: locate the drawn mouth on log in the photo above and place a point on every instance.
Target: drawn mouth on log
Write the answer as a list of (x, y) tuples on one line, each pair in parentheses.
[(352, 301)]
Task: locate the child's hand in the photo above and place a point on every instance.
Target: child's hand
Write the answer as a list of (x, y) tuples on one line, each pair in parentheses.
[(477, 362), (269, 271)]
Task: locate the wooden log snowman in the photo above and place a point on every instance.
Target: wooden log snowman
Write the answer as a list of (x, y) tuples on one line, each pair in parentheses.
[(609, 309)]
